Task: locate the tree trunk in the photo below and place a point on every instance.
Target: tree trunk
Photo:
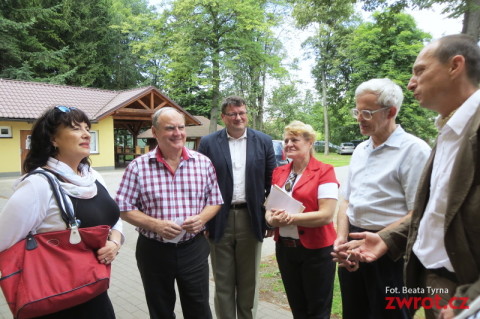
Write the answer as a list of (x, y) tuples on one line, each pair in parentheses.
[(471, 19), (261, 102), (326, 149), (215, 93)]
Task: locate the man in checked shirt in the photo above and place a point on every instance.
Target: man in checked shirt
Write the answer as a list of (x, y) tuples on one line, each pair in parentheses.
[(169, 194)]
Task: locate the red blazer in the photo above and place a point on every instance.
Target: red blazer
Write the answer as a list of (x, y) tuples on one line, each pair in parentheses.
[(306, 191)]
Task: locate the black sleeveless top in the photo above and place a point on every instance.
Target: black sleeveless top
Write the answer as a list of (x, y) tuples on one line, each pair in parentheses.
[(98, 210)]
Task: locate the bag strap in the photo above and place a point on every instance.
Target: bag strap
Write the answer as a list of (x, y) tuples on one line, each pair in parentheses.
[(66, 212)]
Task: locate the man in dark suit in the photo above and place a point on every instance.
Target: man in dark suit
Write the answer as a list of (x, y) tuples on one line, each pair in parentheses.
[(441, 239), (244, 160)]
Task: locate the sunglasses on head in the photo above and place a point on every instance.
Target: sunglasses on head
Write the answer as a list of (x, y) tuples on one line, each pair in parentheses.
[(64, 109)]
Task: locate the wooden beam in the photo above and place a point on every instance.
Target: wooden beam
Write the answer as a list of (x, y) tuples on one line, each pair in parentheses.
[(131, 117), (164, 103), (119, 123), (144, 105), (129, 111)]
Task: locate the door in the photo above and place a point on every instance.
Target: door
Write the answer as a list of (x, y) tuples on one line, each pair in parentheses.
[(24, 145)]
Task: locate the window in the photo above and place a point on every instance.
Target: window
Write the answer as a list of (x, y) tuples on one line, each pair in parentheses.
[(190, 145), (94, 142), (5, 131)]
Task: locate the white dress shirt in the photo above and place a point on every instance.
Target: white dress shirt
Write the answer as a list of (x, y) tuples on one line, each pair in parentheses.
[(429, 246), (238, 153), (382, 181)]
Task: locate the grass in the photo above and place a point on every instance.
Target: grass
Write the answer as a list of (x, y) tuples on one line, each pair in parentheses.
[(334, 159), (272, 289), (337, 298)]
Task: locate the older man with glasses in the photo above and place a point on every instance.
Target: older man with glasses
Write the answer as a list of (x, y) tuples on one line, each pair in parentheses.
[(378, 194)]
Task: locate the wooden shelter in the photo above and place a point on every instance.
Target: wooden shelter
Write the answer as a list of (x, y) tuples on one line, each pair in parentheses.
[(110, 112)]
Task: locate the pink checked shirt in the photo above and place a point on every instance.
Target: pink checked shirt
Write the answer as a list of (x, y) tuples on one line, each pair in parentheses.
[(149, 186)]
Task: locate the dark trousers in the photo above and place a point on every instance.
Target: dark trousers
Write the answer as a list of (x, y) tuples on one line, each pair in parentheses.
[(308, 276), (364, 291), (99, 307), (161, 264)]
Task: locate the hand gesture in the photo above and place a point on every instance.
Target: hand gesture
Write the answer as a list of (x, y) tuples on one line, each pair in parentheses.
[(167, 229), (367, 247), (279, 218), (193, 224), (342, 257)]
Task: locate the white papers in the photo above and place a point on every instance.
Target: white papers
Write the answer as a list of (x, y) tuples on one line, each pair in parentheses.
[(179, 222), (279, 199)]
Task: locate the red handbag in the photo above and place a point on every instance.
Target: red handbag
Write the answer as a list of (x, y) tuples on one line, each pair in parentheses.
[(46, 273)]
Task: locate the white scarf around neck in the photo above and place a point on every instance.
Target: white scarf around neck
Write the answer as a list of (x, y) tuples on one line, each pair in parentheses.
[(78, 186)]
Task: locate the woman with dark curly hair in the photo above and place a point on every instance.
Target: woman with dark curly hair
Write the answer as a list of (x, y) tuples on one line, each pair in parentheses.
[(60, 145)]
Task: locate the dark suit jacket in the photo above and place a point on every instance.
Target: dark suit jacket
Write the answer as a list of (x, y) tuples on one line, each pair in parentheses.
[(260, 163), (462, 220)]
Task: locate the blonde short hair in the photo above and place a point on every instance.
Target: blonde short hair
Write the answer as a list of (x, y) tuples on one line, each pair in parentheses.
[(297, 128)]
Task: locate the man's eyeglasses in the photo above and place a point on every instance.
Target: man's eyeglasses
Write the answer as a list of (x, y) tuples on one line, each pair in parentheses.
[(290, 181), (64, 109), (366, 114), (234, 115)]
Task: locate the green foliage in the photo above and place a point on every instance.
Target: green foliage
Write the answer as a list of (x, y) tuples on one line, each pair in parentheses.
[(287, 105), (216, 43), (387, 47), (198, 51), (351, 52), (327, 13), (25, 30), (66, 42)]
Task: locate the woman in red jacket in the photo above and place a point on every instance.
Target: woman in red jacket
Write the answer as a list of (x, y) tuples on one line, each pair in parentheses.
[(304, 241)]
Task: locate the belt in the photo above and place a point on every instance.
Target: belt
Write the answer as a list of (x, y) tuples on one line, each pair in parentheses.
[(238, 205), (356, 229), (289, 242), (444, 273), (179, 244)]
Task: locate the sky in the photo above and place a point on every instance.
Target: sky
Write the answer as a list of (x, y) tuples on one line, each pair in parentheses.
[(433, 22)]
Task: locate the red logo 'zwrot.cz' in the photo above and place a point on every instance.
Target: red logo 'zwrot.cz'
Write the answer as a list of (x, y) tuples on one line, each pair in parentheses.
[(425, 302)]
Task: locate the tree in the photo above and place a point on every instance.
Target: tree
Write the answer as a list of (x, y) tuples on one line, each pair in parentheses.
[(285, 105), (470, 9), (330, 70), (332, 26), (203, 40), (68, 42), (354, 52), (98, 52), (27, 37), (387, 47), (259, 57)]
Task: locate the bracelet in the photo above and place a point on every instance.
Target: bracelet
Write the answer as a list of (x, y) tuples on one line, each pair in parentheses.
[(115, 242)]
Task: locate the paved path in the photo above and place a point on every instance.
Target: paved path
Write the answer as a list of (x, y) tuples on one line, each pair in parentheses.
[(126, 290)]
